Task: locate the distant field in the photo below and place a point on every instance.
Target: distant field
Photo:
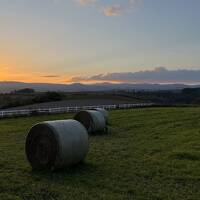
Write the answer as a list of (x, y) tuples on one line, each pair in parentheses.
[(76, 102), (149, 154)]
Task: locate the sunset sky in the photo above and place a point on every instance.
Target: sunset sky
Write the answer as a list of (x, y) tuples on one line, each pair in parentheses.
[(63, 41)]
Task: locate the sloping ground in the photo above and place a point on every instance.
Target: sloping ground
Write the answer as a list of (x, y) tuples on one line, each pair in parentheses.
[(150, 154), (75, 102)]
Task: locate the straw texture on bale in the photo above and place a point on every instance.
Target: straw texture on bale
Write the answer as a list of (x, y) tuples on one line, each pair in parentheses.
[(93, 120), (56, 144)]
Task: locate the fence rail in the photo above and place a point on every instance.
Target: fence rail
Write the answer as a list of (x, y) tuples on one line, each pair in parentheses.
[(30, 112)]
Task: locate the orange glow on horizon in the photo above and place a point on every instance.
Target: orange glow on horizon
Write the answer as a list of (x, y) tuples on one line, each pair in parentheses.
[(16, 74), (7, 74), (30, 78)]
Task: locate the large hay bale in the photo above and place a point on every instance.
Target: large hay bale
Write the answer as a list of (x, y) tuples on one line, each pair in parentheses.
[(93, 120), (104, 112), (56, 144)]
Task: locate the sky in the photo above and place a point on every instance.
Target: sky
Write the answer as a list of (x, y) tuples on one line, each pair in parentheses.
[(63, 41)]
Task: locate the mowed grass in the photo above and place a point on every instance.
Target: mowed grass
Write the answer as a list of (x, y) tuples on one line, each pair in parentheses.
[(148, 154)]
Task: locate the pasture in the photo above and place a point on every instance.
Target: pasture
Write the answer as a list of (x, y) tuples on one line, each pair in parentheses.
[(148, 154)]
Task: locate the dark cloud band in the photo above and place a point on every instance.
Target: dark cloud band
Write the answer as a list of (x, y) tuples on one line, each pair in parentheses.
[(158, 75)]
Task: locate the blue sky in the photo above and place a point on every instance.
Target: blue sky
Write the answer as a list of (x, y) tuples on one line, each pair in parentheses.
[(67, 38)]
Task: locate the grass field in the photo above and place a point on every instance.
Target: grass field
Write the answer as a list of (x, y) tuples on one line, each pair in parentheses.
[(150, 154)]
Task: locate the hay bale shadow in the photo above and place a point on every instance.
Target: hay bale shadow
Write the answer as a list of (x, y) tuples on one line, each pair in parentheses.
[(79, 168)]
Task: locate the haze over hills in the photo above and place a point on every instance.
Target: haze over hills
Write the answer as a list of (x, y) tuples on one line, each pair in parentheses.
[(6, 87)]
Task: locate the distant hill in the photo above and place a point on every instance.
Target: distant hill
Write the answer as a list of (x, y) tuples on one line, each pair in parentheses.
[(78, 87)]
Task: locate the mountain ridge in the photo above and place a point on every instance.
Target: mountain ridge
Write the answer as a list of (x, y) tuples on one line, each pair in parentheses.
[(8, 86)]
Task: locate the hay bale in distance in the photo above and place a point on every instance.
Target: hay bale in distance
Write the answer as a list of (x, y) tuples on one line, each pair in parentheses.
[(104, 112), (56, 144), (93, 120)]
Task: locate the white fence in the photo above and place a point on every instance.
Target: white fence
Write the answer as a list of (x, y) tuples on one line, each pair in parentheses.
[(30, 112)]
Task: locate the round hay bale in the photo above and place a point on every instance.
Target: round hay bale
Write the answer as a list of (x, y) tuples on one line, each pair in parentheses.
[(56, 144), (104, 112), (93, 120)]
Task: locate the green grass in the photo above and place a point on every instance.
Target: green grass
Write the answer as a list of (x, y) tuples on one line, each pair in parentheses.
[(149, 154)]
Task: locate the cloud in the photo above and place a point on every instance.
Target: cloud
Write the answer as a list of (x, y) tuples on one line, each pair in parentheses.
[(51, 76), (85, 2), (158, 75), (120, 8), (114, 8)]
